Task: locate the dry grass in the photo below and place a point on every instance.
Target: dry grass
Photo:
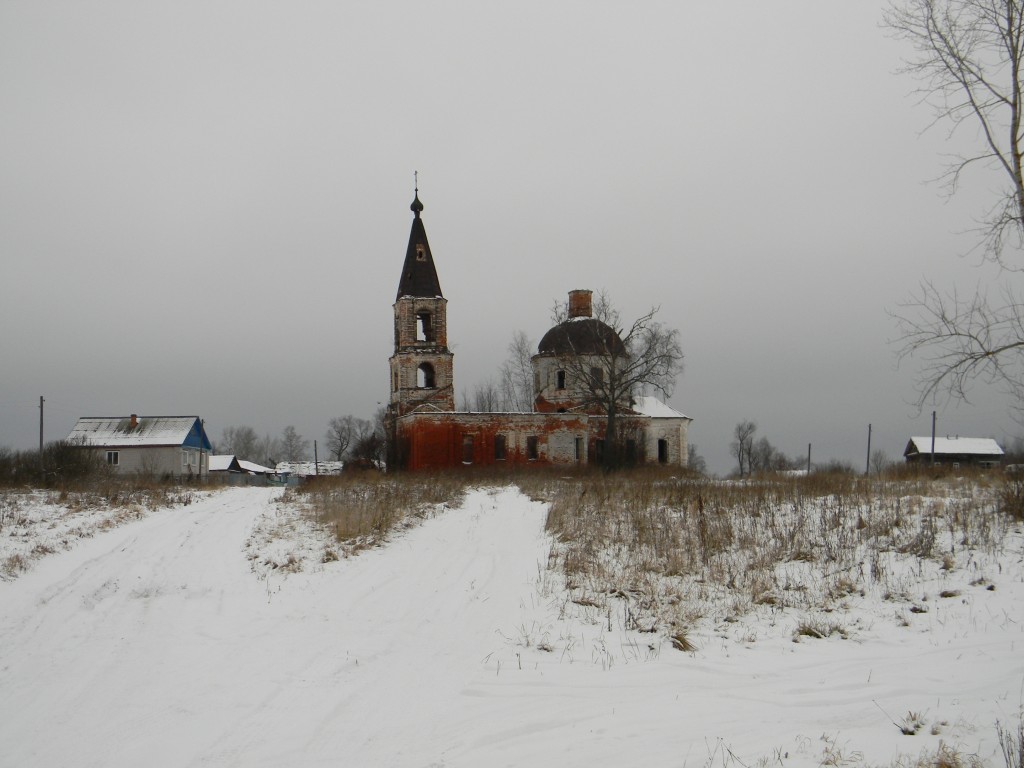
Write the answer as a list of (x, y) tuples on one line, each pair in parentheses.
[(944, 756), (680, 550), (361, 509)]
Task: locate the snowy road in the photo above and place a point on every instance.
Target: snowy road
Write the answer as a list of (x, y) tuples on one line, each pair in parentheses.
[(155, 644)]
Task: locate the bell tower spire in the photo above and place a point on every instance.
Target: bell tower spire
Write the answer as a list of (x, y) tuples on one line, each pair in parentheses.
[(422, 364), (419, 276)]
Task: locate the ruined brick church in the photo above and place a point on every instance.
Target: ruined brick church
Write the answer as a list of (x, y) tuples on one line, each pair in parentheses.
[(564, 428)]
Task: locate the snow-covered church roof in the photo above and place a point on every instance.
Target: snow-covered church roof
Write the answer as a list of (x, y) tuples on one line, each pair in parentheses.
[(646, 405)]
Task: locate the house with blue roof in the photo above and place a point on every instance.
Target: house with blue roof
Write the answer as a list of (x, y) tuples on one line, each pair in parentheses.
[(175, 446)]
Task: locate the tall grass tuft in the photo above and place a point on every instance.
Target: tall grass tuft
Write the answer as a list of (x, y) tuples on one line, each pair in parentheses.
[(1011, 743)]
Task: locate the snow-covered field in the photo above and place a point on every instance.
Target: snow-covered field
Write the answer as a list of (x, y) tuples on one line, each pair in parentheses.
[(215, 634)]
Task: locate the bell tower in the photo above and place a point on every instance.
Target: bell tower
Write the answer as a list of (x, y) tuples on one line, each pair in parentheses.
[(421, 366)]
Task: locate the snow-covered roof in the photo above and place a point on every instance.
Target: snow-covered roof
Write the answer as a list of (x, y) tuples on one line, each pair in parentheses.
[(219, 463), (976, 446), (254, 468), (309, 468), (118, 431), (653, 407)]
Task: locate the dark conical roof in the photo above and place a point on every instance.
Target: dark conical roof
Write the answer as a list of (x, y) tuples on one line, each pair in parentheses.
[(419, 276), (581, 336)]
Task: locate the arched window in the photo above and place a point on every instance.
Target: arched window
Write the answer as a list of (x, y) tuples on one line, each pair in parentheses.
[(424, 328), (425, 376)]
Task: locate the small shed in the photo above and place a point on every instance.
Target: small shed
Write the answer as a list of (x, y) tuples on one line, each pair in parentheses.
[(253, 468), (223, 464), (175, 446), (958, 451)]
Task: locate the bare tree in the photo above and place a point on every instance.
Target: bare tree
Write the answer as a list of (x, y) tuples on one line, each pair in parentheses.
[(369, 441), (485, 398), (239, 441), (268, 451), (969, 58), (765, 457), (293, 446), (341, 431), (609, 370), (880, 461), (694, 461), (961, 341), (743, 445), (1014, 451), (517, 375)]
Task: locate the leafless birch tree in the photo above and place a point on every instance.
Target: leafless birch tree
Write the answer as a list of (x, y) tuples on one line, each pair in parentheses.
[(517, 375), (968, 58)]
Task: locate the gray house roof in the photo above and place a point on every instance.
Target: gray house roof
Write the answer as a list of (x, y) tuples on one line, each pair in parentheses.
[(139, 431)]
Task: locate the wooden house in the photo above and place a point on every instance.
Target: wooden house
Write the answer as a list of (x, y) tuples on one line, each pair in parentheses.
[(958, 451)]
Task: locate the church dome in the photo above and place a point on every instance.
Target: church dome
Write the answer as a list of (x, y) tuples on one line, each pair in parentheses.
[(581, 336)]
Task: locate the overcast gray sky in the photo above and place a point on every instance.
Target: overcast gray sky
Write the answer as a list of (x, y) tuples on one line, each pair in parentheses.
[(204, 205)]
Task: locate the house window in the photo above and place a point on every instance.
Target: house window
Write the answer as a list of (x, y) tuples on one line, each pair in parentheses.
[(425, 376), (499, 447), (663, 451), (599, 450), (113, 458), (560, 376), (531, 448), (597, 375), (579, 449), (186, 459), (424, 331), (467, 449)]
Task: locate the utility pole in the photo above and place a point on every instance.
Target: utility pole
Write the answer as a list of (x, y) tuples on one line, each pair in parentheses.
[(933, 438), (867, 466), (41, 401), (316, 460), (808, 459)]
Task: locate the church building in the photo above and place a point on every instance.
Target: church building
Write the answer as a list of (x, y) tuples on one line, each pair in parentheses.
[(564, 428)]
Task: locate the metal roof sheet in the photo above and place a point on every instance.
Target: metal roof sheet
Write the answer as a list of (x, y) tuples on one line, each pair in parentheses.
[(117, 431)]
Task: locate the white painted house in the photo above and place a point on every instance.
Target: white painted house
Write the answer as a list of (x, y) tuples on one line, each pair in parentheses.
[(175, 446)]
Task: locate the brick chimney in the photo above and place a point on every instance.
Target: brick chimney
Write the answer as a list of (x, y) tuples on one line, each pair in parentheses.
[(135, 421), (580, 304)]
